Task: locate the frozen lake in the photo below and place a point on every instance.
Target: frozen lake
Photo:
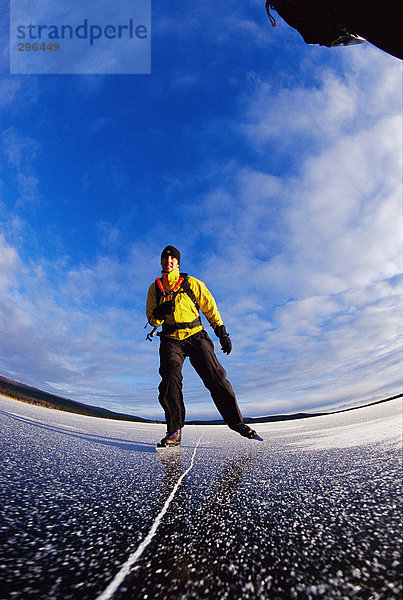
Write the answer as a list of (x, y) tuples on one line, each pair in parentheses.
[(89, 510)]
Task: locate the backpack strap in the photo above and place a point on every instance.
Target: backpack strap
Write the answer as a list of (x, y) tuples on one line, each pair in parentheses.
[(160, 292), (182, 285), (188, 290)]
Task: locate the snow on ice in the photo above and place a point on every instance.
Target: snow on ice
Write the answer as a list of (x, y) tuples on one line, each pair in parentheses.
[(312, 511)]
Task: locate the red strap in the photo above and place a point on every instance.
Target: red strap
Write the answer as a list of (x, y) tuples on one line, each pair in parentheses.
[(159, 283), (176, 287)]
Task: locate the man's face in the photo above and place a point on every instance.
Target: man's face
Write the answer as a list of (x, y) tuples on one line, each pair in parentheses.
[(169, 263)]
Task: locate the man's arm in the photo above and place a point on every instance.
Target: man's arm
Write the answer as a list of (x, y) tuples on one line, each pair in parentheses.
[(151, 306), (209, 308), (206, 302)]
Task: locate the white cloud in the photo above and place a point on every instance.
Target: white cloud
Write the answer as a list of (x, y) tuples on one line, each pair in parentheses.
[(8, 90), (8, 264), (64, 336), (335, 104), (20, 152), (317, 252), (303, 259)]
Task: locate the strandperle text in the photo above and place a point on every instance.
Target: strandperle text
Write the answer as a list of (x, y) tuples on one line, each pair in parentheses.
[(84, 31)]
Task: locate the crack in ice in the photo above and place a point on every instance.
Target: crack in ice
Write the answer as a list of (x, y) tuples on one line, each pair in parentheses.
[(133, 558)]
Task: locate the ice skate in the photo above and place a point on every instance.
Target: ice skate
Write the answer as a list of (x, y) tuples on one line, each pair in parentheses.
[(244, 430), (171, 439)]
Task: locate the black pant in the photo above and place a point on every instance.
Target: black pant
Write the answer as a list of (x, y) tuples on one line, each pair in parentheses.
[(200, 350)]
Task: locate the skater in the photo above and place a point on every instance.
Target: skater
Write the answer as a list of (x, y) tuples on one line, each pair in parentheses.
[(174, 301)]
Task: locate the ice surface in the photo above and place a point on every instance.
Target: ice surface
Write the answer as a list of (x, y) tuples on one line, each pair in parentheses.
[(312, 511)]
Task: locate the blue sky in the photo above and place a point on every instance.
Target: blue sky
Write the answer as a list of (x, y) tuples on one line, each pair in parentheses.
[(274, 166)]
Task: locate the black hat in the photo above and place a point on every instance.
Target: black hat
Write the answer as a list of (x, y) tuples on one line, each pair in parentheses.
[(171, 251)]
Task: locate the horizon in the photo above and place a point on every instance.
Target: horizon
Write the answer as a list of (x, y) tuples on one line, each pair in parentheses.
[(43, 402), (274, 167)]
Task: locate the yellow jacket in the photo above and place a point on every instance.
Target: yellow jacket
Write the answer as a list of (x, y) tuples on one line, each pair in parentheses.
[(185, 309)]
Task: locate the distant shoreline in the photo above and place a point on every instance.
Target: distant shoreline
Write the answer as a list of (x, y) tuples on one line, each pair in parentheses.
[(30, 395)]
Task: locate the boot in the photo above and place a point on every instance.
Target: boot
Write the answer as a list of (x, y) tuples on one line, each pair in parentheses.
[(244, 430), (171, 439)]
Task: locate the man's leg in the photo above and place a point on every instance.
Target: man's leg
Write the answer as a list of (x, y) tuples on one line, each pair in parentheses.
[(170, 397), (200, 350)]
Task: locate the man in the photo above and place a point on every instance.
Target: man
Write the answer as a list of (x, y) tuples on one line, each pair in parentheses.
[(174, 301)]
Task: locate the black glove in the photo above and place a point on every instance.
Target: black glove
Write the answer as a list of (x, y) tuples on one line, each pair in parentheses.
[(223, 336), (163, 310)]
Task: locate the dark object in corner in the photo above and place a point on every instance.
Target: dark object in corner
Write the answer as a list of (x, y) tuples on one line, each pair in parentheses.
[(345, 22)]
